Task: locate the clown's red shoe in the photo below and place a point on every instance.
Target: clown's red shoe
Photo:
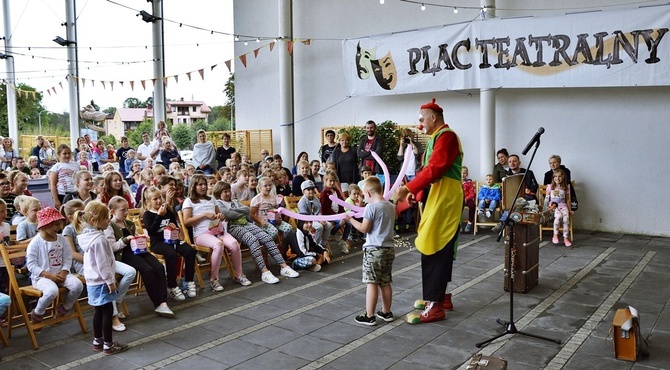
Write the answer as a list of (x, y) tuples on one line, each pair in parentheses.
[(420, 304), (434, 311)]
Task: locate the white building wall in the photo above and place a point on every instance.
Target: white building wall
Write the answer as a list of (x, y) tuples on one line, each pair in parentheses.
[(612, 139)]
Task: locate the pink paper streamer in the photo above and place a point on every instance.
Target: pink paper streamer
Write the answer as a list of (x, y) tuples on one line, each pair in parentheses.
[(387, 177), (401, 174), (344, 204), (317, 218)]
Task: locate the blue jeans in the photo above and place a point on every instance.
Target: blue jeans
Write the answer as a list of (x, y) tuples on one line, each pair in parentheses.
[(127, 273), (5, 301), (492, 205)]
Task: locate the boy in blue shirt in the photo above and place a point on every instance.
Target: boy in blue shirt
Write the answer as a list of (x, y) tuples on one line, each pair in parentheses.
[(378, 251)]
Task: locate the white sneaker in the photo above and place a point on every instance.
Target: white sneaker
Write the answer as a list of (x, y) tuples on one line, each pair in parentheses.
[(344, 246), (164, 311), (216, 286), (267, 277), (190, 289), (176, 294), (488, 214), (288, 272), (242, 280), (199, 259), (315, 268)]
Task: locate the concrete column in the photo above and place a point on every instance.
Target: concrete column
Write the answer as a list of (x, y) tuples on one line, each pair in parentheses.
[(159, 62), (286, 127), (11, 84), (72, 81), (487, 108)]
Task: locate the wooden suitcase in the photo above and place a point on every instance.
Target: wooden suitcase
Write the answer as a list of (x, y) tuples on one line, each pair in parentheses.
[(527, 257)]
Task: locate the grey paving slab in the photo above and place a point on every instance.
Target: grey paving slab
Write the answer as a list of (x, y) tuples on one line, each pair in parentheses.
[(303, 324), (107, 362), (191, 338), (340, 332), (65, 353), (308, 347), (233, 352), (272, 360), (438, 357), (229, 324), (528, 351), (149, 353), (195, 362), (584, 361), (271, 337)]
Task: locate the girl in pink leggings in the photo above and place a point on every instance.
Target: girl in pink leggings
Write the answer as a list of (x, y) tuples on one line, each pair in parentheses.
[(201, 212)]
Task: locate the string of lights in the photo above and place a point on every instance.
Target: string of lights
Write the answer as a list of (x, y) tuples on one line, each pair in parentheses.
[(424, 4)]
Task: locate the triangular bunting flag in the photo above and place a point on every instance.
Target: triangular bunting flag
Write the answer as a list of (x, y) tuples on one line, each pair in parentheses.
[(228, 65), (307, 42), (49, 91), (272, 45), (256, 52), (212, 68), (202, 73), (103, 85), (83, 82), (34, 95), (164, 81), (243, 59), (188, 74), (153, 81), (61, 85), (111, 85), (121, 83), (289, 46), (176, 78), (132, 85), (54, 89), (144, 87), (76, 79)]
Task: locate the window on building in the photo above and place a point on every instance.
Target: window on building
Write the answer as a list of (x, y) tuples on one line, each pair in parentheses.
[(193, 108)]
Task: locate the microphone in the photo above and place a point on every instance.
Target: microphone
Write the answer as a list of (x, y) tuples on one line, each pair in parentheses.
[(532, 141)]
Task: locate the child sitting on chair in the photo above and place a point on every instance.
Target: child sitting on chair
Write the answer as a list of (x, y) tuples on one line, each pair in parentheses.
[(469, 200), (490, 193), (48, 259), (304, 252), (556, 199)]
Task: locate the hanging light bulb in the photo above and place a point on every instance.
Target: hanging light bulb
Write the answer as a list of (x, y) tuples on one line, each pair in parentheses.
[(237, 38), (423, 7), (381, 2), (246, 43), (258, 39), (455, 10)]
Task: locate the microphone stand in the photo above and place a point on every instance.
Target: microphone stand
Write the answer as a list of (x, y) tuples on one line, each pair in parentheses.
[(510, 327)]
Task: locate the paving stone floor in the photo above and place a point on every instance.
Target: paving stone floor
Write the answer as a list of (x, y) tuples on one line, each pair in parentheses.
[(307, 323)]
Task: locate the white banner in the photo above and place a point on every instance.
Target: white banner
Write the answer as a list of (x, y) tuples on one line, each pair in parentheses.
[(599, 49)]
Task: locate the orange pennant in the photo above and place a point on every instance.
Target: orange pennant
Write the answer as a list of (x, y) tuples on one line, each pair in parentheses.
[(34, 95), (228, 65), (256, 52), (243, 59), (272, 45), (144, 86), (132, 85), (289, 46), (202, 73), (165, 81), (188, 74), (307, 42), (61, 85), (153, 81)]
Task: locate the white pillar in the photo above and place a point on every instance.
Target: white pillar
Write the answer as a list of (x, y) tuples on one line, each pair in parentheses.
[(11, 84), (286, 81), (487, 108), (159, 62), (72, 81)]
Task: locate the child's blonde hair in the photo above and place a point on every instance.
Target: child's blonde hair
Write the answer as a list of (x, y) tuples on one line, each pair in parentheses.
[(148, 193), (19, 203), (159, 169), (372, 184), (27, 202), (93, 214), (116, 202), (68, 209), (352, 188)]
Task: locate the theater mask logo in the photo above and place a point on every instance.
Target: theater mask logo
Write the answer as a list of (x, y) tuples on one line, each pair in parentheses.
[(383, 68)]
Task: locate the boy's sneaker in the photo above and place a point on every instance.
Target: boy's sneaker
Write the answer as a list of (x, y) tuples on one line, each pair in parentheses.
[(114, 348), (97, 344), (164, 311), (480, 212), (176, 294), (344, 246), (363, 319), (468, 228), (496, 229), (488, 214), (315, 268), (288, 272), (216, 286), (267, 277), (388, 317), (242, 280), (190, 289)]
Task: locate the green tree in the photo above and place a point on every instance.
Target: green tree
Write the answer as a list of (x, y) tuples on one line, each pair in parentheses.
[(183, 136), (221, 124), (137, 103), (27, 109), (110, 110), (135, 136), (229, 89), (108, 139)]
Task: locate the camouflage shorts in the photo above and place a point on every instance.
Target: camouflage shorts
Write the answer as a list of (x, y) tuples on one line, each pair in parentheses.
[(377, 265)]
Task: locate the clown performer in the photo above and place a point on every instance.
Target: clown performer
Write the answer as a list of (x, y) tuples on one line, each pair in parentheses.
[(438, 231)]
